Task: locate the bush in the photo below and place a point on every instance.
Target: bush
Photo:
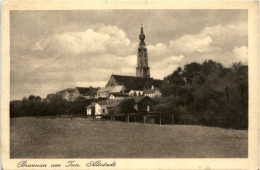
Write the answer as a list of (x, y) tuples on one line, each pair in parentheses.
[(47, 107)]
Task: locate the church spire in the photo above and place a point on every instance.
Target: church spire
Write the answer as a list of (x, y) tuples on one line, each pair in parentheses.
[(142, 37), (142, 69)]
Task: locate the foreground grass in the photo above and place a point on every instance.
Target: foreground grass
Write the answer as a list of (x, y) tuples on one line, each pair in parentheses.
[(81, 138)]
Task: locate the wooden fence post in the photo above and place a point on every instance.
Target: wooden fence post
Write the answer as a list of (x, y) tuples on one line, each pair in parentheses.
[(160, 120), (144, 119)]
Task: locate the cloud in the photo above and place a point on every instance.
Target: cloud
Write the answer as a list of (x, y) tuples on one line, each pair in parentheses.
[(89, 57), (37, 47), (191, 43), (166, 66), (241, 54), (105, 40)]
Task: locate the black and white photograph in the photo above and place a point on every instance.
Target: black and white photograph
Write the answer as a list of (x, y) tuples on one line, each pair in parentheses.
[(128, 84)]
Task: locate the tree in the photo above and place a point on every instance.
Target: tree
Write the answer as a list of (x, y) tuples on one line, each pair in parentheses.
[(216, 95), (127, 106), (31, 98)]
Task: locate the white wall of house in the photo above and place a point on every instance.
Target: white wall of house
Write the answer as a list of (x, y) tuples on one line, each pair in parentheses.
[(100, 109), (150, 95), (97, 109), (103, 94), (112, 97), (76, 93), (136, 107), (138, 92), (89, 111), (157, 93), (87, 97), (69, 96), (104, 110)]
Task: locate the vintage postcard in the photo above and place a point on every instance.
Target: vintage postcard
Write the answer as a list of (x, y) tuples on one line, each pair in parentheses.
[(129, 85)]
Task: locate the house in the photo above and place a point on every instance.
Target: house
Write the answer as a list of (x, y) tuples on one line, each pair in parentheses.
[(91, 109), (65, 94), (103, 107), (106, 91), (118, 90), (136, 93), (134, 86), (118, 96), (114, 106), (91, 93), (153, 92), (49, 96), (86, 92), (143, 104), (98, 108)]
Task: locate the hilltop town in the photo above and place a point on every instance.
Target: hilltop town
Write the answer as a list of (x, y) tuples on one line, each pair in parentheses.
[(140, 88)]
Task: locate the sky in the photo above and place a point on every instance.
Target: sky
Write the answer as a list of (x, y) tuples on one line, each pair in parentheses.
[(54, 50)]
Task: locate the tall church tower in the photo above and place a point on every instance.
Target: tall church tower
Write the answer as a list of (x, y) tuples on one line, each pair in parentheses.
[(142, 69)]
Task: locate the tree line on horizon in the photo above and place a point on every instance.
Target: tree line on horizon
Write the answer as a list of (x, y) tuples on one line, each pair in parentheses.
[(209, 93), (199, 93)]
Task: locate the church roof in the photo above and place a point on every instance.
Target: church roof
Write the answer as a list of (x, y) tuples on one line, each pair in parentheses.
[(136, 83)]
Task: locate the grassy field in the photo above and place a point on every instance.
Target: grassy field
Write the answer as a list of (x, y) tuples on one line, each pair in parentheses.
[(81, 138)]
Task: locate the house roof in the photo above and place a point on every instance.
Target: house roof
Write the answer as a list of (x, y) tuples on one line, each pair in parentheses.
[(136, 83), (103, 102), (91, 105), (82, 90), (100, 102), (91, 92), (68, 90), (137, 99), (151, 91), (87, 91), (116, 89), (105, 89), (119, 95), (114, 103)]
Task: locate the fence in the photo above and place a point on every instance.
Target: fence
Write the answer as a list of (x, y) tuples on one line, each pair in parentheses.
[(156, 118)]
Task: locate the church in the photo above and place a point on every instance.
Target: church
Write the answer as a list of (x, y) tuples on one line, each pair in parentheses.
[(140, 85), (121, 86)]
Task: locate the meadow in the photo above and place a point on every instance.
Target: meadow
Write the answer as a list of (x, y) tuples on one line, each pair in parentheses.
[(32, 137)]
